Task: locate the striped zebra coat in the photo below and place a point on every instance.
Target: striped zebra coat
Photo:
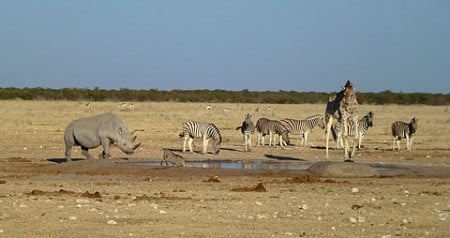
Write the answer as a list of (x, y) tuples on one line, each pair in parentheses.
[(303, 127), (401, 130), (206, 131), (358, 131), (265, 126), (247, 130)]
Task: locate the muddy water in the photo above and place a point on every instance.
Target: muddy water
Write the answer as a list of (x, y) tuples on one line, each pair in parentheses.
[(384, 170)]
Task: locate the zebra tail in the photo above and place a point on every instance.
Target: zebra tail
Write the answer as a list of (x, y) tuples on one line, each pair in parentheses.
[(181, 134)]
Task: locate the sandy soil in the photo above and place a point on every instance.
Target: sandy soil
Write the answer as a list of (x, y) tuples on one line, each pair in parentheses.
[(40, 197)]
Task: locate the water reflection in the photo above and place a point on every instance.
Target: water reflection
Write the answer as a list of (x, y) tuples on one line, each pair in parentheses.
[(229, 164)]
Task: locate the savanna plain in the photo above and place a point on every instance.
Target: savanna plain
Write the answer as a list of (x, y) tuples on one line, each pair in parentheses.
[(43, 196)]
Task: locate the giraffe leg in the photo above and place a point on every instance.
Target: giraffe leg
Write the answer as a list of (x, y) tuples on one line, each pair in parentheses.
[(345, 137), (353, 147), (407, 143), (327, 134)]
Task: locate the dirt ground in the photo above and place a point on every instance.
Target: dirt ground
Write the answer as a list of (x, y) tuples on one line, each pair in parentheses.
[(42, 196)]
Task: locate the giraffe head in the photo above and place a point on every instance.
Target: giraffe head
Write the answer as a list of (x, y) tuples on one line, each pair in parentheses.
[(348, 89)]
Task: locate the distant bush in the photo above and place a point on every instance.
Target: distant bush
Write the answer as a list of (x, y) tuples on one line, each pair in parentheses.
[(211, 96)]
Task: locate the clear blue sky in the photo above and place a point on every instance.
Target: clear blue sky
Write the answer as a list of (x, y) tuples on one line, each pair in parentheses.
[(402, 46)]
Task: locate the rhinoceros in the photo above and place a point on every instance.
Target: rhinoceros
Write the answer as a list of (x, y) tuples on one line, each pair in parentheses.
[(104, 129)]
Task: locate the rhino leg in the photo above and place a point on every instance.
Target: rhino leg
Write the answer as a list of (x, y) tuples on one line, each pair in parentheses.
[(68, 153), (106, 144), (85, 152)]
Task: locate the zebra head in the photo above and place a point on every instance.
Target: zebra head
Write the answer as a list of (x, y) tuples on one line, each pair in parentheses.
[(369, 119), (216, 144), (321, 122), (413, 125)]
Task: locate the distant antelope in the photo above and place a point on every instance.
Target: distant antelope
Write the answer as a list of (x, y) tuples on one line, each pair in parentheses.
[(125, 106), (86, 105), (209, 107), (175, 159), (401, 130)]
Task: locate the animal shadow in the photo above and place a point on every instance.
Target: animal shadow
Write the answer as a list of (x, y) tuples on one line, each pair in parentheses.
[(61, 160), (283, 158)]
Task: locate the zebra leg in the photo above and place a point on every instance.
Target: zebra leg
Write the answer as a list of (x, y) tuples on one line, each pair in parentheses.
[(249, 142), (205, 145), (190, 144), (410, 143), (306, 138), (282, 143), (270, 138), (245, 142), (184, 143)]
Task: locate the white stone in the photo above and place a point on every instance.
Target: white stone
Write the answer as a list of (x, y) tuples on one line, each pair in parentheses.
[(303, 207), (352, 220), (355, 190), (260, 216), (81, 200), (111, 222), (73, 218)]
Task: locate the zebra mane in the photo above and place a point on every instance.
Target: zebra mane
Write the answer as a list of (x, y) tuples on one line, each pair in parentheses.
[(313, 117), (217, 129)]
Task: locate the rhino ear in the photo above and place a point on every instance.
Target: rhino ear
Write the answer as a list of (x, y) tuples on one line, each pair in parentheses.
[(120, 130)]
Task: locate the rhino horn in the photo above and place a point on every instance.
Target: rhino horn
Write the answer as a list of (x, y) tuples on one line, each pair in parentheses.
[(136, 146)]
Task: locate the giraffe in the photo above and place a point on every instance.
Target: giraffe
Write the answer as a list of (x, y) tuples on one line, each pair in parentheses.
[(342, 107)]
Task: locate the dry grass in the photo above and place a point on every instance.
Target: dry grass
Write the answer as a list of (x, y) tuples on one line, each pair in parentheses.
[(34, 129)]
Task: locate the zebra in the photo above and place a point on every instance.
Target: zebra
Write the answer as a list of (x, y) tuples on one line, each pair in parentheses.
[(303, 127), (247, 129), (265, 126), (401, 130), (195, 129), (360, 131)]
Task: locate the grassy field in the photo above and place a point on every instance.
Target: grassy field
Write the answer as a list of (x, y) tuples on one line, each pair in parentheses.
[(35, 128)]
